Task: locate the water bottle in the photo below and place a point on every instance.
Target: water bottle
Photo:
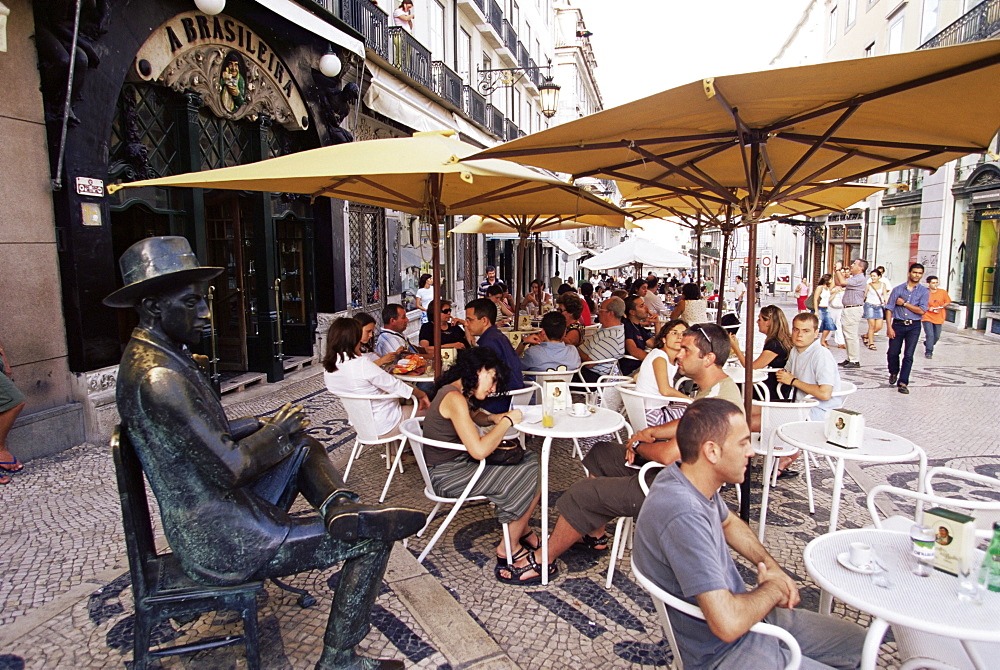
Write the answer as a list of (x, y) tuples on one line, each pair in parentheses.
[(923, 550), (989, 572)]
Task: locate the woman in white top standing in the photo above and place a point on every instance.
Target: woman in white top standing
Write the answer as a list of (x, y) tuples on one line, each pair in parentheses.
[(822, 299), (875, 296), (425, 295), (349, 371), (656, 374)]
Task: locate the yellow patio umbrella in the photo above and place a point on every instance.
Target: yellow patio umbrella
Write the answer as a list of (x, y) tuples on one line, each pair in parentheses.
[(525, 225), (423, 175)]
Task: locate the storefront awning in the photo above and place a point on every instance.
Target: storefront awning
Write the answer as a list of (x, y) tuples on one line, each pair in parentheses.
[(565, 246), (304, 19)]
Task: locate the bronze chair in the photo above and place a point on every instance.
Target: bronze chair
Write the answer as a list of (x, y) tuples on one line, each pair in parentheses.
[(160, 588)]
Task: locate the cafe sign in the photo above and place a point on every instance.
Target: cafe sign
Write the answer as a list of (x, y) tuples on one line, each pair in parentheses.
[(236, 72)]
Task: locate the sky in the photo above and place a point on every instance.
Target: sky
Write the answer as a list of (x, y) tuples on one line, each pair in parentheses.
[(645, 46)]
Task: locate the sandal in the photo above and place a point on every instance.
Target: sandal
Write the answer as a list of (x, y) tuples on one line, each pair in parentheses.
[(527, 545), (12, 466), (516, 573), (871, 345), (4, 479), (598, 544)]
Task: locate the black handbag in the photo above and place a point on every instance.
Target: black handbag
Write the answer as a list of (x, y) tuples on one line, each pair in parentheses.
[(508, 452)]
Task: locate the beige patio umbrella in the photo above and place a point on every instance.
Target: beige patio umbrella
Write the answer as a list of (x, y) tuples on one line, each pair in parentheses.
[(525, 225), (748, 141), (701, 215), (423, 175)]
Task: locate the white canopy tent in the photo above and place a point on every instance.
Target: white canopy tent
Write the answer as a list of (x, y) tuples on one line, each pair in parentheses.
[(637, 251)]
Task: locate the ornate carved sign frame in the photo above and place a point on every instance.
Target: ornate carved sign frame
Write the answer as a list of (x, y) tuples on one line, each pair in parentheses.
[(237, 74)]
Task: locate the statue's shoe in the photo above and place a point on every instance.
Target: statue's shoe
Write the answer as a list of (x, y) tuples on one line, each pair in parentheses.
[(351, 521)]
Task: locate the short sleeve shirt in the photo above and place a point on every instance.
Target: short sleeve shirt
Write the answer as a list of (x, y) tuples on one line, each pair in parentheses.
[(605, 343), (918, 296), (550, 355), (389, 341), (451, 335), (638, 335), (854, 290), (680, 546), (816, 365)]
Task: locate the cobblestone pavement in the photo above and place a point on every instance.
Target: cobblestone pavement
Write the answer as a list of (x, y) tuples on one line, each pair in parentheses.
[(66, 599)]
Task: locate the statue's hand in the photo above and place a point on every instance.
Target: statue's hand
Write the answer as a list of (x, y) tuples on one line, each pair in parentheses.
[(291, 419)]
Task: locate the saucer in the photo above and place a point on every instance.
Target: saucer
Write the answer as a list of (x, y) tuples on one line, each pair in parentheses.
[(844, 558), (581, 415)]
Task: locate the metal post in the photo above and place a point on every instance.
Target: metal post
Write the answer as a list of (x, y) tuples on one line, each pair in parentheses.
[(214, 361), (280, 348), (751, 280)]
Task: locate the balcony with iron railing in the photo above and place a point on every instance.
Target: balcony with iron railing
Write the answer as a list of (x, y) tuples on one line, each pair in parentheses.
[(410, 57), (522, 56), (447, 83), (373, 24), (534, 74), (509, 130), (474, 105), (481, 4), (979, 23), (494, 16), (903, 187), (495, 120), (510, 37)]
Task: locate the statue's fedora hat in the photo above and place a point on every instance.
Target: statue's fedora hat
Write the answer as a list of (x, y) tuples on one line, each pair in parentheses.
[(155, 264)]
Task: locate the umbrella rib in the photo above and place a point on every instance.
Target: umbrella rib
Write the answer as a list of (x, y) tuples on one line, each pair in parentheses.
[(675, 189), (705, 182), (599, 146), (887, 144), (715, 147), (874, 157), (823, 139), (815, 175), (352, 196), (889, 90), (867, 173)]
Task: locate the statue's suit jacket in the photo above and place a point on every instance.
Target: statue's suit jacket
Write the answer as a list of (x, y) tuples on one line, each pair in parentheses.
[(220, 531)]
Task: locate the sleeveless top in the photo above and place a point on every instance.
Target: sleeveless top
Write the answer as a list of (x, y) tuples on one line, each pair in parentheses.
[(694, 311), (437, 427), (577, 327)]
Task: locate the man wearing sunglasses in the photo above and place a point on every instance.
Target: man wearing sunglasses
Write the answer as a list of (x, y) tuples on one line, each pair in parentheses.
[(613, 489)]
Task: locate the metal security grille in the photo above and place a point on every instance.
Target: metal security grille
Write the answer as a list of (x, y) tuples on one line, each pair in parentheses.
[(366, 233), (222, 142), (143, 141), (469, 267)]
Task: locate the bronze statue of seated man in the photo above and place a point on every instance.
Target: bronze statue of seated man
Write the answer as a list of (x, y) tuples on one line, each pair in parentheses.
[(224, 487)]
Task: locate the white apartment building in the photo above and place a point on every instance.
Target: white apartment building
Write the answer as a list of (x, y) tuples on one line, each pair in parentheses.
[(947, 220)]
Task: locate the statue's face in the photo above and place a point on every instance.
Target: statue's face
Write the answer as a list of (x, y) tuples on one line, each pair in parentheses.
[(184, 313)]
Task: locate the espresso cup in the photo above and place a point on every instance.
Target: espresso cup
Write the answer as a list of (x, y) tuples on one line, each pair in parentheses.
[(579, 409), (861, 554)]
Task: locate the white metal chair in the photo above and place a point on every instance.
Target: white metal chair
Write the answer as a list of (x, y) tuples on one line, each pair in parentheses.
[(624, 525), (542, 376), (586, 365), (635, 406), (766, 444), (362, 419), (917, 649), (846, 389), (662, 600), (521, 396), (413, 430)]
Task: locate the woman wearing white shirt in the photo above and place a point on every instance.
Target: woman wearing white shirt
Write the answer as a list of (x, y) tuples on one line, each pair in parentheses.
[(656, 374), (425, 295), (349, 371)]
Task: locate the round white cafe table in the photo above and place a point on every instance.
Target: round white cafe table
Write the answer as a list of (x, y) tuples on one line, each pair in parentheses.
[(878, 446), (738, 374), (925, 604), (602, 422)]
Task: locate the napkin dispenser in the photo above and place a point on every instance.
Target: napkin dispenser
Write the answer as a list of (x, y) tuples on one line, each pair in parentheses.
[(524, 322), (845, 428), (557, 394)]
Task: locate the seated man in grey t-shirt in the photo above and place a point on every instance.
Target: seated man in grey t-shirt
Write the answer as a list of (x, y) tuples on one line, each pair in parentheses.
[(682, 542)]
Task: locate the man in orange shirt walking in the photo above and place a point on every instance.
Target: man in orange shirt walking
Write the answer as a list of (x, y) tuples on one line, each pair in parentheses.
[(933, 318)]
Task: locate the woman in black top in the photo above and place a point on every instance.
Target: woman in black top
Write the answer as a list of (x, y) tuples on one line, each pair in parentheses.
[(772, 323), (452, 334)]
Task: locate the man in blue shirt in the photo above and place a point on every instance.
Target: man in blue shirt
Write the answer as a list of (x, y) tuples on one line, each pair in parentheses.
[(638, 340), (480, 320), (391, 338), (906, 304), (550, 352)]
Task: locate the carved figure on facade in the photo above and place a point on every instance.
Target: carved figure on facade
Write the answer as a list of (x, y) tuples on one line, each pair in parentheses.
[(335, 104), (54, 25)]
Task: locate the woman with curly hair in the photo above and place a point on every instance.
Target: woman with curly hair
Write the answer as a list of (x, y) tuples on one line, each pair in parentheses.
[(571, 306), (455, 416)]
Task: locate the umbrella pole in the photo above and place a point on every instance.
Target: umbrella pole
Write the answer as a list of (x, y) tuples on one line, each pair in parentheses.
[(522, 244), (434, 213), (697, 253), (751, 279), (722, 275)]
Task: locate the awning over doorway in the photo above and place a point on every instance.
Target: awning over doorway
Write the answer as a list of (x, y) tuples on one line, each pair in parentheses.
[(317, 26), (566, 246)]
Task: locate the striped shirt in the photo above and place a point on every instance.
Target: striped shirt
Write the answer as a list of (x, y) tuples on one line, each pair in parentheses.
[(603, 343)]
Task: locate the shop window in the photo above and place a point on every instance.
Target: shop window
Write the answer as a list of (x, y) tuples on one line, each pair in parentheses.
[(223, 143), (366, 232)]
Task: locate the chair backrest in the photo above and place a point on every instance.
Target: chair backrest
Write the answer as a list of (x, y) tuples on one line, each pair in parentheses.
[(413, 429), (523, 396), (635, 405), (136, 522), (846, 388), (360, 414), (644, 470), (663, 599), (552, 375), (982, 510), (776, 414)]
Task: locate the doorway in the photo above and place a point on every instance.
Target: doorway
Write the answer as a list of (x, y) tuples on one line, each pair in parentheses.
[(229, 238)]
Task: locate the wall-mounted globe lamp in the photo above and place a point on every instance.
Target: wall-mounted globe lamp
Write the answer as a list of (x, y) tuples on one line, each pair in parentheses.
[(210, 7)]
